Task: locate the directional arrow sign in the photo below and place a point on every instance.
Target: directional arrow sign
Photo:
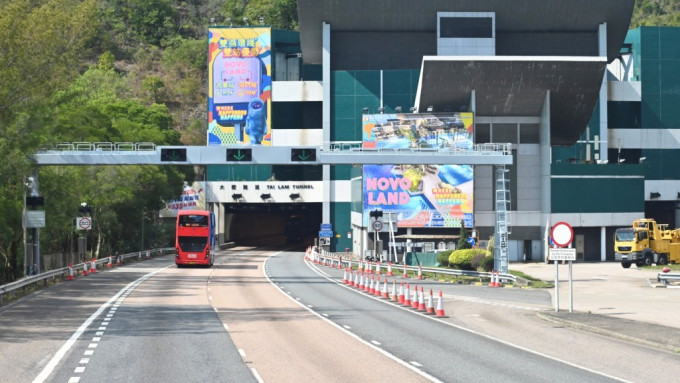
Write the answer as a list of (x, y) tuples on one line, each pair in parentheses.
[(239, 155), (303, 154), (173, 155)]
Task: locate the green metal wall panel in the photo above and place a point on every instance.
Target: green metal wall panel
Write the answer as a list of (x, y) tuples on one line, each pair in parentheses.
[(597, 188), (342, 223), (341, 172), (623, 115), (239, 172)]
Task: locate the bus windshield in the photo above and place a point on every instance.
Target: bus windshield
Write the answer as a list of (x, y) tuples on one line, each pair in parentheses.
[(194, 244), (193, 220), (625, 235)]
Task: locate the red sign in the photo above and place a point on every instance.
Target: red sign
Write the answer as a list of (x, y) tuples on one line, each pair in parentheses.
[(562, 234)]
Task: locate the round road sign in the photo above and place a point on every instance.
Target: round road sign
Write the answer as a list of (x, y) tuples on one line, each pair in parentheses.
[(562, 234), (84, 223), (377, 225)]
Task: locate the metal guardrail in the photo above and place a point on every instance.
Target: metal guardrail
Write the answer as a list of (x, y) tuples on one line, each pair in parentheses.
[(9, 288), (476, 149), (104, 147), (665, 278), (334, 258)]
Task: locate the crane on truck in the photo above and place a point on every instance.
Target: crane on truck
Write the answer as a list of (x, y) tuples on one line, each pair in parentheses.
[(645, 243)]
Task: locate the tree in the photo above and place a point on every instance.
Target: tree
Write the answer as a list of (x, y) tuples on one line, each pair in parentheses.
[(463, 239)]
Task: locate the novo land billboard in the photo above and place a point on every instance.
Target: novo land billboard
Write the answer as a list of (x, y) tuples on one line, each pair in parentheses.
[(239, 86), (429, 196)]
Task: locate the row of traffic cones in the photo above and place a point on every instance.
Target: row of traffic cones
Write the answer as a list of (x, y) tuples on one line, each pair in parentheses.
[(90, 267), (372, 285), (495, 280)]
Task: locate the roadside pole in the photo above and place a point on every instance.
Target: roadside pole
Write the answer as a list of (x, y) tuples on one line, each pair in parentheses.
[(562, 235)]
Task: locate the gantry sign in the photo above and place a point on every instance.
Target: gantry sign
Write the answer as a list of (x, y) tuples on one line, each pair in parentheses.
[(332, 154)]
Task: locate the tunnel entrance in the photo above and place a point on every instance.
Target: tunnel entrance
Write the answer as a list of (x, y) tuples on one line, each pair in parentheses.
[(273, 224)]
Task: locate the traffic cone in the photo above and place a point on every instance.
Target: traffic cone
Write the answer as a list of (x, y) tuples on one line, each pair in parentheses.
[(371, 289), (70, 271), (421, 300), (349, 263), (420, 271), (400, 297), (350, 280), (110, 265), (369, 268), (344, 277), (356, 279), (389, 269), (377, 268), (429, 309), (117, 260), (385, 295), (405, 271), (361, 266), (414, 302), (498, 279), (85, 268), (394, 296), (440, 306), (93, 267), (377, 291), (407, 298), (361, 284), (491, 280)]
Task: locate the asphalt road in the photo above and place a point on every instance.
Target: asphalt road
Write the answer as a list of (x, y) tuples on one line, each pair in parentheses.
[(269, 316)]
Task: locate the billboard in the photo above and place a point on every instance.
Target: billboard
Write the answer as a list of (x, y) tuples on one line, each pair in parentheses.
[(421, 195), (239, 86), (448, 131)]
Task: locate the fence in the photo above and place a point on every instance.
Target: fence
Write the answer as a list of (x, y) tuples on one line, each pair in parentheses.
[(10, 288)]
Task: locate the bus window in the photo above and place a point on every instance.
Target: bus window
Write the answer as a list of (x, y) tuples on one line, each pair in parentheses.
[(193, 220)]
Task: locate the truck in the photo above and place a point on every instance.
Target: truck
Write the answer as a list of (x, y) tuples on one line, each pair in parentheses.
[(645, 243)]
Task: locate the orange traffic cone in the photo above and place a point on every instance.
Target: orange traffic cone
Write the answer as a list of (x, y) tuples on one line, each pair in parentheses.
[(491, 280), (400, 297), (421, 300), (405, 271), (385, 295), (414, 302), (70, 271), (377, 268), (389, 269), (110, 265), (356, 279), (371, 289), (85, 268), (377, 291), (393, 296), (344, 277), (407, 298), (420, 271), (93, 266), (440, 306), (429, 309)]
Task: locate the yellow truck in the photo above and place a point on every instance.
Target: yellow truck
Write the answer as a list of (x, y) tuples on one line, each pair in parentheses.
[(645, 243)]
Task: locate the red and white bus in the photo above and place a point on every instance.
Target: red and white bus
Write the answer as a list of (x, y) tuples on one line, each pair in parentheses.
[(195, 238)]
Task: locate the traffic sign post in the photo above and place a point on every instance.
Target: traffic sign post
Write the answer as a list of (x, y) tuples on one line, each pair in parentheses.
[(562, 235), (83, 223)]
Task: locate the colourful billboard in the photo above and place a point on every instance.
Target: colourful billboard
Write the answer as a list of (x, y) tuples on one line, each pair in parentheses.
[(239, 86), (448, 131), (421, 195)]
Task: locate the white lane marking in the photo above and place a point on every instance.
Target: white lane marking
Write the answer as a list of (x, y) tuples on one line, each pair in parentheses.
[(88, 352), (534, 352), (96, 339), (105, 323), (74, 379), (225, 326), (324, 314), (298, 299), (102, 328), (257, 376), (242, 353), (59, 355), (79, 370), (92, 345), (310, 306), (416, 363), (215, 309), (99, 333), (355, 336), (346, 326), (84, 360), (375, 342)]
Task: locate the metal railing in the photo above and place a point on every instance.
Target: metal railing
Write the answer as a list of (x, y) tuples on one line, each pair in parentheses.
[(665, 278), (10, 288), (103, 147), (345, 261), (476, 149)]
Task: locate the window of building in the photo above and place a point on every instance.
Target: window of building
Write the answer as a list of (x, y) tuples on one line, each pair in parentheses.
[(482, 133), (528, 134), (504, 133), (466, 27)]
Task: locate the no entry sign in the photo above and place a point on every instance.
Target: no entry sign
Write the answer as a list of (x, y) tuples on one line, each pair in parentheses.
[(562, 234)]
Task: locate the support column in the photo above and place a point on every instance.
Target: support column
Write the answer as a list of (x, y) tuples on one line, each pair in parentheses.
[(603, 244), (604, 95), (326, 121), (545, 158)]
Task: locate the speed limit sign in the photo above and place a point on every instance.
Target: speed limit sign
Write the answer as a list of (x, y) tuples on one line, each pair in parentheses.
[(83, 223), (377, 225)]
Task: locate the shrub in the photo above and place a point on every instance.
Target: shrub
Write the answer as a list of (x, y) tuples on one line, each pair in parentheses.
[(486, 264), (443, 258), (476, 261), (462, 259)]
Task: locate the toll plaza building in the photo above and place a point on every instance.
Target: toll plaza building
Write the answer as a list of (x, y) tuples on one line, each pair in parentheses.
[(549, 78)]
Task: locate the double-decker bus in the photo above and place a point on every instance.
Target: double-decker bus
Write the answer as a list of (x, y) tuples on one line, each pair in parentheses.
[(195, 238)]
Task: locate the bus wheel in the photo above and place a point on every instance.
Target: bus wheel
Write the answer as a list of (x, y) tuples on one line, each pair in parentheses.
[(625, 264), (662, 260)]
